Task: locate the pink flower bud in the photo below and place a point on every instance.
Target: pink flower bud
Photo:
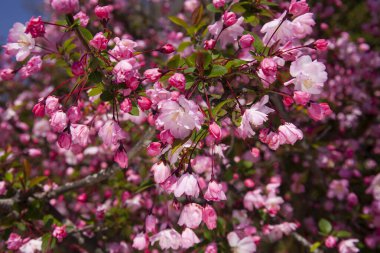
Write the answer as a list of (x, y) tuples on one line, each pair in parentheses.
[(167, 49), (249, 183), (51, 105), (268, 66), (301, 97), (166, 137), (83, 18), (152, 75), (74, 114), (246, 41), (144, 103), (59, 233), (64, 140), (218, 3), (352, 199), (178, 80), (121, 158), (77, 68), (126, 105), (99, 41), (255, 152), (215, 131), (321, 44), (6, 74), (229, 18), (319, 111), (209, 217), (209, 44), (103, 12), (298, 8), (58, 121), (287, 101), (65, 6), (154, 149), (330, 242), (82, 197), (35, 27), (39, 109)]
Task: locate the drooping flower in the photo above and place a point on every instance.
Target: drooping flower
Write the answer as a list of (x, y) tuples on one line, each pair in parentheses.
[(19, 43), (160, 172), (58, 121), (309, 75), (319, 111), (209, 217), (188, 185), (167, 239), (80, 134), (111, 133), (214, 192), (290, 133), (189, 238), (14, 241), (33, 66), (179, 117), (191, 216), (256, 116), (121, 158)]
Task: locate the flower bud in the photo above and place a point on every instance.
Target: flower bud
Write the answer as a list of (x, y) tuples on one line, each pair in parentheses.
[(166, 49), (218, 3), (103, 12), (246, 41), (330, 242), (121, 158), (35, 27), (39, 109), (126, 105), (215, 131), (154, 149), (229, 18), (77, 68), (321, 44), (144, 103), (64, 140), (209, 44), (298, 8), (178, 81)]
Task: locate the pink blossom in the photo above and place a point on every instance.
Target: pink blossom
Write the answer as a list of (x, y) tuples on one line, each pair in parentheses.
[(218, 3), (152, 75), (154, 149), (256, 116), (126, 105), (144, 103), (201, 164), (189, 238), (170, 184), (229, 34), (338, 189), (301, 98), (245, 245), (188, 185), (99, 41), (168, 239), (166, 137), (80, 134), (268, 66), (330, 242), (209, 217), (59, 233), (65, 6), (58, 121), (19, 43), (215, 131), (178, 81), (14, 241), (209, 44), (348, 246), (123, 49), (215, 192), (246, 41), (290, 133), (103, 12), (74, 114), (31, 246), (276, 232), (321, 44), (160, 172), (253, 199), (35, 27), (83, 18), (374, 187), (319, 111), (77, 68), (51, 105), (3, 188), (167, 49), (39, 109), (298, 7), (309, 75), (191, 215), (6, 74), (150, 224), (140, 242), (212, 248), (34, 152), (179, 117), (302, 25), (111, 133), (64, 140), (121, 158), (229, 18), (284, 33), (124, 70)]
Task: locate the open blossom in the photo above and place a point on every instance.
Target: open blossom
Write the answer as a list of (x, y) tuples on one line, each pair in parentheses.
[(167, 239), (80, 134), (245, 245), (256, 116), (33, 66), (188, 185), (99, 41), (51, 105), (31, 246), (209, 217), (103, 12), (191, 215), (123, 49), (229, 34), (253, 199), (374, 187), (65, 6), (160, 172), (302, 25), (125, 70), (35, 27), (309, 75), (178, 81), (189, 238), (19, 43), (290, 133), (274, 32), (152, 75), (214, 192), (338, 189), (58, 121), (348, 246), (83, 18), (298, 7), (111, 133), (276, 232), (59, 233), (179, 117), (140, 241), (14, 241), (319, 111)]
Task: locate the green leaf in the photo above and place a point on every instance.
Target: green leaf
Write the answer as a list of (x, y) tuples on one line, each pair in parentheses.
[(258, 44), (196, 16), (217, 71), (106, 96), (211, 7), (46, 239), (183, 46), (315, 246), (217, 108), (342, 234), (234, 63), (86, 33), (174, 62), (35, 181), (95, 77), (253, 20), (145, 185), (178, 21), (95, 91), (324, 226), (9, 177)]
